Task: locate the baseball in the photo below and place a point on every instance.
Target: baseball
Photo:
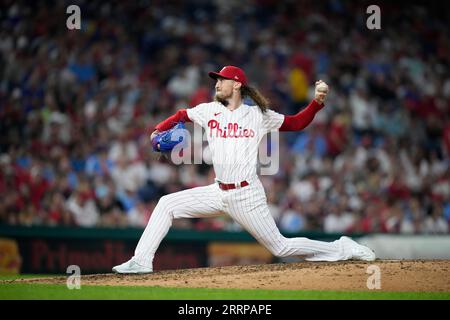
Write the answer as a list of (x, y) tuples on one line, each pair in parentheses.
[(321, 86)]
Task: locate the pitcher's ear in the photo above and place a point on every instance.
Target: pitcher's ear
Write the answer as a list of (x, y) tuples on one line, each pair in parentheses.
[(237, 85)]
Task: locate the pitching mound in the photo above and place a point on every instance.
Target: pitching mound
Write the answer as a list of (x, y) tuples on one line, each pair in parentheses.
[(399, 275)]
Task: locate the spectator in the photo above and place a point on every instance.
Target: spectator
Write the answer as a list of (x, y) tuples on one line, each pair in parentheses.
[(83, 209), (435, 222), (57, 211), (129, 175), (339, 219), (292, 221)]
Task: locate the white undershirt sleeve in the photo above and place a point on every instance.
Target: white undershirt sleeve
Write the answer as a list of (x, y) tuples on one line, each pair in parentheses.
[(272, 120)]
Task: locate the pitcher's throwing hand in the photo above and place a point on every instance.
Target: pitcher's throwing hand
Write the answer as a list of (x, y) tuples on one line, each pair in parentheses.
[(321, 91)]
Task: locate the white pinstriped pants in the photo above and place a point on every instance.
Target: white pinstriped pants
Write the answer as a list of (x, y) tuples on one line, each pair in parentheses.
[(247, 206)]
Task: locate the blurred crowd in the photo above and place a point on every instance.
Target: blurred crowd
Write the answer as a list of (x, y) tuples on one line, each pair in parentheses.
[(76, 107)]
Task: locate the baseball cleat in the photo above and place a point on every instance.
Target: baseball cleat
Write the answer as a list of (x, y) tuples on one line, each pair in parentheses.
[(131, 267), (358, 251)]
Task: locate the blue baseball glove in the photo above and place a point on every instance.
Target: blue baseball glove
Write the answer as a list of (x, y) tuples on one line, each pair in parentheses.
[(167, 140)]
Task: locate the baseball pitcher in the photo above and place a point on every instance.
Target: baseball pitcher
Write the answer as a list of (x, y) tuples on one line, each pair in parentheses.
[(234, 130)]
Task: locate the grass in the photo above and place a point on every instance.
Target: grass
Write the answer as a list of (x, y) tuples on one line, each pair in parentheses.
[(26, 276), (32, 291), (20, 291)]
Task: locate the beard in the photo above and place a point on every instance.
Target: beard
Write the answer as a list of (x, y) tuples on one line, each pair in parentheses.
[(221, 99)]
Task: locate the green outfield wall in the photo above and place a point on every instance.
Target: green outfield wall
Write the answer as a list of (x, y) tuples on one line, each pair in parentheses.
[(96, 250)]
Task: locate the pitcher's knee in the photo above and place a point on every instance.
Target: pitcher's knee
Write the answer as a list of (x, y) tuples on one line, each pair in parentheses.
[(280, 251), (165, 205)]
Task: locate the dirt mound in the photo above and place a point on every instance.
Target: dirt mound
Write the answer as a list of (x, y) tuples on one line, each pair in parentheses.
[(398, 275)]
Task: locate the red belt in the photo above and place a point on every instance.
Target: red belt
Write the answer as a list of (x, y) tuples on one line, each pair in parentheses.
[(230, 186)]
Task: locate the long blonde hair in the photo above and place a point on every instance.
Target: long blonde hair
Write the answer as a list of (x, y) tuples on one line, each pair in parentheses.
[(261, 101)]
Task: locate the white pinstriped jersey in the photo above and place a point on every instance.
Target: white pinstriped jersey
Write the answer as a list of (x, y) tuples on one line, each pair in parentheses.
[(234, 137)]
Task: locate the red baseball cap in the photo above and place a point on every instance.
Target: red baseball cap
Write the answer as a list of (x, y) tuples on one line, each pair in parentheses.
[(232, 73)]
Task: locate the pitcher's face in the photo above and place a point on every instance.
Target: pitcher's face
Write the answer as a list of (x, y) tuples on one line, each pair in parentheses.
[(224, 88)]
